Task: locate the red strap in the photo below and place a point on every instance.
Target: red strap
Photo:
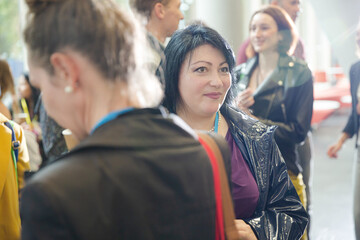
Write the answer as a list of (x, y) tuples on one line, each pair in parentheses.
[(219, 221)]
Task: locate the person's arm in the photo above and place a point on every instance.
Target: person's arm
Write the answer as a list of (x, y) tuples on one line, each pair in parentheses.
[(39, 216), (335, 148), (283, 217), (349, 129)]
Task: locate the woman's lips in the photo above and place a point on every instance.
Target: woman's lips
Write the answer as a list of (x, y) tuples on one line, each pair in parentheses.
[(213, 95), (258, 43)]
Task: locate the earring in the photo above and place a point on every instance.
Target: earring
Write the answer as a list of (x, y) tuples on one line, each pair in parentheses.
[(68, 89)]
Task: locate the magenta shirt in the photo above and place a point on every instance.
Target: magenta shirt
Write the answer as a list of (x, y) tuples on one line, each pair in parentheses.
[(245, 191)]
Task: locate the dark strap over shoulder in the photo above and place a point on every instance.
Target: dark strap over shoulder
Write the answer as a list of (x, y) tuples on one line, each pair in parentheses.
[(14, 143), (14, 148)]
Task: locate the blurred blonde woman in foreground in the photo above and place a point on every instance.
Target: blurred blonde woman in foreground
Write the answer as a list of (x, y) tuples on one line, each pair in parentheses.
[(136, 173)]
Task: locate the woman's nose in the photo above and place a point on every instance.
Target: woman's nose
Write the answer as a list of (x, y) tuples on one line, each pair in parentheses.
[(216, 80), (257, 32)]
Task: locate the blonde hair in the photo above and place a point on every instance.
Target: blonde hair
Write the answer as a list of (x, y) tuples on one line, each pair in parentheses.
[(6, 79), (110, 38)]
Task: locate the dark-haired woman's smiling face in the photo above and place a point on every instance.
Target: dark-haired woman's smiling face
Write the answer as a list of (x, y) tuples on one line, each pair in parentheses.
[(204, 81)]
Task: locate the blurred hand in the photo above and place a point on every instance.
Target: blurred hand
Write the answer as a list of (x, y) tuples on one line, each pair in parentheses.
[(333, 150), (245, 99), (26, 126), (244, 230)]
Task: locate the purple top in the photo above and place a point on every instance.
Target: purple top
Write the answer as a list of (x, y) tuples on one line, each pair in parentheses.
[(245, 191)]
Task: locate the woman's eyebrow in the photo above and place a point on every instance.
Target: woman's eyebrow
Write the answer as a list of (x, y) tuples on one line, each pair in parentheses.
[(201, 61)]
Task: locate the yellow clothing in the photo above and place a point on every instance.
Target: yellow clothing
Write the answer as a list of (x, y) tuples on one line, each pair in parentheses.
[(9, 197), (299, 185)]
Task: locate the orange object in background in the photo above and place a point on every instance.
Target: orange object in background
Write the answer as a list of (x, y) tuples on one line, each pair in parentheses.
[(320, 76)]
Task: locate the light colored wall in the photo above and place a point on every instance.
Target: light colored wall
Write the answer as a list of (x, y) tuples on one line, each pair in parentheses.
[(338, 19), (317, 45), (231, 19)]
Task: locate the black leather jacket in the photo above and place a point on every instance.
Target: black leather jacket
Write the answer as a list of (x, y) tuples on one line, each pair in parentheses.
[(284, 99), (279, 213)]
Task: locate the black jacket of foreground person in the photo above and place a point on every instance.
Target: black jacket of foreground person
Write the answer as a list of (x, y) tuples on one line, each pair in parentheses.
[(140, 176)]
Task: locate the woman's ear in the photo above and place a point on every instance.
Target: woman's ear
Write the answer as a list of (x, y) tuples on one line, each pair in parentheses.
[(65, 68)]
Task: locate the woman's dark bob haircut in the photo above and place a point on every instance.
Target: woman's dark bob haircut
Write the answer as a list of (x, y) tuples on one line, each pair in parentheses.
[(182, 43), (286, 28)]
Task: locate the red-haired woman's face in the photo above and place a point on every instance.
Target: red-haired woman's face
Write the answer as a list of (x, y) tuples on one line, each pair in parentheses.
[(264, 35)]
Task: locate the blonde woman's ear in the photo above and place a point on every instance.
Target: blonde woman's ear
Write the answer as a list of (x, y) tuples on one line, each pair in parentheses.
[(66, 69)]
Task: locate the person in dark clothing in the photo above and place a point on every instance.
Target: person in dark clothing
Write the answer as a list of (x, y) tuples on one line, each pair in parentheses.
[(30, 96), (138, 172), (351, 129), (198, 74)]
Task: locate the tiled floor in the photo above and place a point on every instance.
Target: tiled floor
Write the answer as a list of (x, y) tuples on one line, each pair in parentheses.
[(332, 183)]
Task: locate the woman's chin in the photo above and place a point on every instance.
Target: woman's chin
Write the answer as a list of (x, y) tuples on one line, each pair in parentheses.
[(212, 111)]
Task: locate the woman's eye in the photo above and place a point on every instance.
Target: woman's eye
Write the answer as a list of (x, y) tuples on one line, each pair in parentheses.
[(200, 69), (224, 70)]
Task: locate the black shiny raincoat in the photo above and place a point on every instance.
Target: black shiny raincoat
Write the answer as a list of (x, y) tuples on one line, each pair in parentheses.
[(279, 213)]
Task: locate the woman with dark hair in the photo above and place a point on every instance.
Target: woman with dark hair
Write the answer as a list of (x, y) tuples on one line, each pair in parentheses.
[(277, 88), (29, 96), (198, 73), (29, 119)]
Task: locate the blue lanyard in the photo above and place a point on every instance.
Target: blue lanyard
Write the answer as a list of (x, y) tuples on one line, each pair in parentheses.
[(109, 117), (216, 126)]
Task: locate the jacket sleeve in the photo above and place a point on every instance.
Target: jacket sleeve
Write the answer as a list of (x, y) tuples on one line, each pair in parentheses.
[(39, 218), (297, 114), (283, 216), (350, 125)]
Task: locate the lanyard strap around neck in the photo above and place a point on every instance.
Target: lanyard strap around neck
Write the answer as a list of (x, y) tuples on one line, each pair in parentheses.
[(110, 116), (216, 125)]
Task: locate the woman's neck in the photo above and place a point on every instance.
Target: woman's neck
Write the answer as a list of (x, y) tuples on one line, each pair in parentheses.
[(268, 61), (197, 122), (205, 123)]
